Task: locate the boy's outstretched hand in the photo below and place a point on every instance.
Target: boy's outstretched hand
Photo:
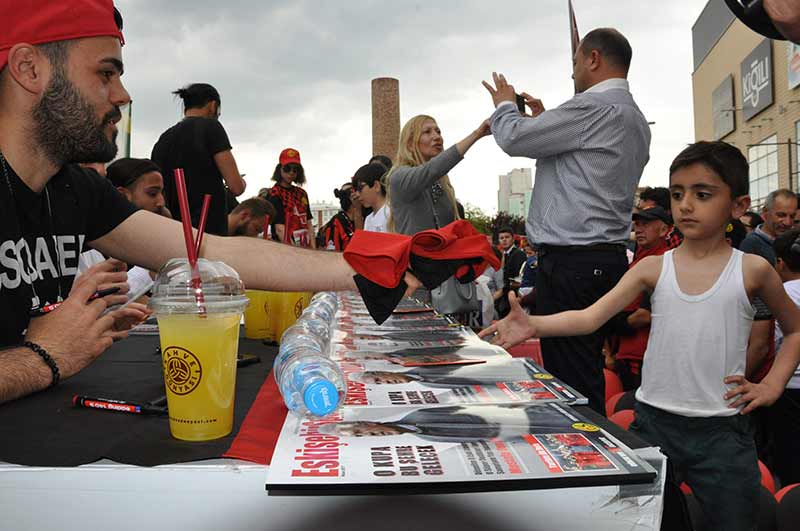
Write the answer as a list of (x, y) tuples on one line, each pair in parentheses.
[(515, 328), (753, 394)]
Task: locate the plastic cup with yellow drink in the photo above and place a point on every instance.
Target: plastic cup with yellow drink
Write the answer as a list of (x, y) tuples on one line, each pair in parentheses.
[(258, 315), (199, 343), (289, 307)]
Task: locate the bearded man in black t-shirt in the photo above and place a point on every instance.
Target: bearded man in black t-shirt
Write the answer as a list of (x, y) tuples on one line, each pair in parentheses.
[(60, 98)]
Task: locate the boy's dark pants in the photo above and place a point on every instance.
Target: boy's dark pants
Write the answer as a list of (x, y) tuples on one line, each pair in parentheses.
[(716, 456)]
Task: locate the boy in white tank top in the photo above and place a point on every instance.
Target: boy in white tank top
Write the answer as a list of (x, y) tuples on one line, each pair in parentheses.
[(694, 398)]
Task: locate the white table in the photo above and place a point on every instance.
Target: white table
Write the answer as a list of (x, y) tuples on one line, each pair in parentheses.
[(229, 495)]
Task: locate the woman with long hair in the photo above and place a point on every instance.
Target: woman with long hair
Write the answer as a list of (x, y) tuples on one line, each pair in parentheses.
[(199, 145), (336, 233), (293, 223), (419, 191), (371, 192)]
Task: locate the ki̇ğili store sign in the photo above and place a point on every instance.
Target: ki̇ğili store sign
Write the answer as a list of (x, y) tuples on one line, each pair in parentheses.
[(757, 91)]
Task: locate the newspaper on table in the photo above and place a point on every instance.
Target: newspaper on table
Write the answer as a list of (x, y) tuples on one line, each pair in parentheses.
[(460, 448), (508, 380)]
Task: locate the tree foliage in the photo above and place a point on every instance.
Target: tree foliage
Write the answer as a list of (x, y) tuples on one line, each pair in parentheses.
[(479, 219)]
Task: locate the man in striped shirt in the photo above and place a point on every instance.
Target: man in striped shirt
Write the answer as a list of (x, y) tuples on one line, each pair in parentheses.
[(590, 155)]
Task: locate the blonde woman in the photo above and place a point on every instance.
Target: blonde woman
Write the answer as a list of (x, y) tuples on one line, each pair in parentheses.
[(419, 191)]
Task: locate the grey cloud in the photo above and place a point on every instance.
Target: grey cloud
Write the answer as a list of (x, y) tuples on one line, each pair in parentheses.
[(298, 72)]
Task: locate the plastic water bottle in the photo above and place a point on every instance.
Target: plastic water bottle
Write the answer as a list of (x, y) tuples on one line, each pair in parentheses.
[(310, 383), (327, 297), (315, 325)]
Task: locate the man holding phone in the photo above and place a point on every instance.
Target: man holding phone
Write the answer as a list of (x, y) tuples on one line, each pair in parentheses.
[(590, 155)]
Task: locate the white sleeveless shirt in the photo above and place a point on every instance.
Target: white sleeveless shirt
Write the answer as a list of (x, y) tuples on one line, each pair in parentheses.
[(696, 341)]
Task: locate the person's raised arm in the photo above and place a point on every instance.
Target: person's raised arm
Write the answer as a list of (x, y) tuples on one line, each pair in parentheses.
[(408, 182), (468, 141), (227, 167), (542, 134), (518, 326), (767, 285)]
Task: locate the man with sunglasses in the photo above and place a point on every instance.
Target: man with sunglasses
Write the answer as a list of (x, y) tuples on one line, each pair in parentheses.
[(293, 221)]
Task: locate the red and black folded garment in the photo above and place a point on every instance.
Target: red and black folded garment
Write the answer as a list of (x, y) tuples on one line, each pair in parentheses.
[(381, 259)]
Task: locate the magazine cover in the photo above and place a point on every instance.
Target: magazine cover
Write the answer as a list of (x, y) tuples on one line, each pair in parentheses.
[(396, 319), (513, 380), (465, 448), (397, 340), (419, 325), (479, 352)]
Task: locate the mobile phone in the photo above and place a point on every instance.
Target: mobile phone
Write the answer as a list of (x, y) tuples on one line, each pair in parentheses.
[(520, 103), (132, 297)]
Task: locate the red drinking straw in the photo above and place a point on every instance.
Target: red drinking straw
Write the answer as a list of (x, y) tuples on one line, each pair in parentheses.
[(266, 226), (183, 201), (201, 227)]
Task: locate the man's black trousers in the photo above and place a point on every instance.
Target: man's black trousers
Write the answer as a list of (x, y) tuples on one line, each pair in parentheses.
[(572, 278)]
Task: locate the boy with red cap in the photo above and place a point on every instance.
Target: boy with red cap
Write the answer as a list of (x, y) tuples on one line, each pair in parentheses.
[(60, 94)]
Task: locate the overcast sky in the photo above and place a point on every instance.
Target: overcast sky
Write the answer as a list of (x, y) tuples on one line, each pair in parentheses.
[(297, 74)]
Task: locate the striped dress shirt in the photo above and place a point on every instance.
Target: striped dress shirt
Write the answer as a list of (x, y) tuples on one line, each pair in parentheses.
[(590, 153)]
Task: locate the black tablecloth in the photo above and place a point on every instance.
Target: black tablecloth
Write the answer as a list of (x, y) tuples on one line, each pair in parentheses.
[(45, 429)]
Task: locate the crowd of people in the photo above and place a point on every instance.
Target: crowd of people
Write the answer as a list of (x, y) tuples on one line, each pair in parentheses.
[(698, 311)]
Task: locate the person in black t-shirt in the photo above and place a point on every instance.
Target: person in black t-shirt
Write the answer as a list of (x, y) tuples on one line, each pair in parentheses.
[(199, 145), (59, 103)]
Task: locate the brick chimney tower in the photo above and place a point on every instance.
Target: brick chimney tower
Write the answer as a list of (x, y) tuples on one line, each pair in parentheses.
[(385, 116)]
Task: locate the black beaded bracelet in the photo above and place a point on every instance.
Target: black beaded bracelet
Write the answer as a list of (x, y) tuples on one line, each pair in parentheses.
[(48, 359)]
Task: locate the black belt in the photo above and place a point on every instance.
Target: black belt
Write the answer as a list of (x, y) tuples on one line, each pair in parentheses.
[(595, 247)]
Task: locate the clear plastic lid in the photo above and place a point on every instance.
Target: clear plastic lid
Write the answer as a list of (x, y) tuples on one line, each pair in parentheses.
[(174, 293)]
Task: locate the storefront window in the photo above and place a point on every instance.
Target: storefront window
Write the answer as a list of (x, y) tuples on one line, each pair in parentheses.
[(763, 170)]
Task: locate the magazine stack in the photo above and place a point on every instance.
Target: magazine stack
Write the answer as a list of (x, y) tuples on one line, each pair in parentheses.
[(432, 408)]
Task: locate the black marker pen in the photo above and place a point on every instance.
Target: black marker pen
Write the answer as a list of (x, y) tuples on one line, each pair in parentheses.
[(44, 310), (118, 405)]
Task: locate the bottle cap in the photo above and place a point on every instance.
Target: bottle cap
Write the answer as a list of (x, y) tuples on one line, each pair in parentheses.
[(321, 397)]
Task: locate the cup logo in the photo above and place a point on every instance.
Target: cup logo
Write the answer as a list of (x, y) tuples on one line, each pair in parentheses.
[(298, 308), (182, 370)]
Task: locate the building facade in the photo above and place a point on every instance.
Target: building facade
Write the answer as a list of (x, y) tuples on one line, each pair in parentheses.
[(322, 212), (746, 91), (514, 193)]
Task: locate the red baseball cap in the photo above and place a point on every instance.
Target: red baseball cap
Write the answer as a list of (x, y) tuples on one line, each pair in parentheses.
[(43, 21), (289, 156)]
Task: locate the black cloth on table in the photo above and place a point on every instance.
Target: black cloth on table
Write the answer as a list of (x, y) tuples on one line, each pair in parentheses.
[(45, 429)]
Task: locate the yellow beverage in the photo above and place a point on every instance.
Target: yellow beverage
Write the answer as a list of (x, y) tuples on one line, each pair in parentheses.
[(199, 361), (289, 308), (257, 324)]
